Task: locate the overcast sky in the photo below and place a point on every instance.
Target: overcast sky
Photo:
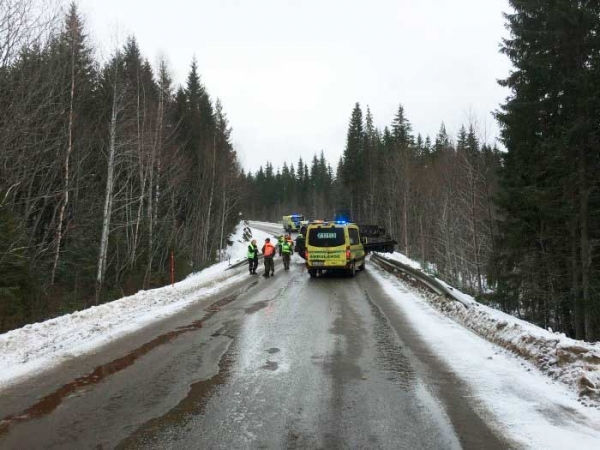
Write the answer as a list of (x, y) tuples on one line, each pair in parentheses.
[(289, 72)]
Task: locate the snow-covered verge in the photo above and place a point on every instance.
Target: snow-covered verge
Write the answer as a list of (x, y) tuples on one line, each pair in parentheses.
[(508, 393), (397, 256), (44, 345), (574, 363)]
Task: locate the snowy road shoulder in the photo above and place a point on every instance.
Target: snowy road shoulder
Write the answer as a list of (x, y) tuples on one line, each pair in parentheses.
[(533, 409), (42, 346), (574, 363)]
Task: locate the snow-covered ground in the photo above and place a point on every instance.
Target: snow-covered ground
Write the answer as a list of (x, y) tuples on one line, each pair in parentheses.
[(574, 363), (527, 404), (44, 345), (397, 256)]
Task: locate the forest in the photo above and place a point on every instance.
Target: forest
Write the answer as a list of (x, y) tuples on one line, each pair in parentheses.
[(435, 197), (106, 168), (518, 227)]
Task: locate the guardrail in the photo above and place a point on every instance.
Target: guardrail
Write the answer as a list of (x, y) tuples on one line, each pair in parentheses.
[(241, 263), (429, 282)]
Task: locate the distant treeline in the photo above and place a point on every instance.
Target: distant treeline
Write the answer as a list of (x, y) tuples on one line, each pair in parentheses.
[(435, 197), (105, 168), (519, 228)]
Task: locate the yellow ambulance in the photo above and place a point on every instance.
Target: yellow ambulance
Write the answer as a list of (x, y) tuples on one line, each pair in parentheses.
[(292, 222), (334, 246)]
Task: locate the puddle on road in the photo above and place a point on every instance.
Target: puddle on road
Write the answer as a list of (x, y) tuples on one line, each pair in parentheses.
[(191, 405), (257, 307), (262, 304), (271, 365), (50, 402), (273, 350)]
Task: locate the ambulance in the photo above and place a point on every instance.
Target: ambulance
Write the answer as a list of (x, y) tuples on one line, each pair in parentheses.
[(334, 247), (292, 222)]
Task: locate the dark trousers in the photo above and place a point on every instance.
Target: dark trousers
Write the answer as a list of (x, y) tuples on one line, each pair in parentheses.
[(269, 266), (286, 260), (252, 264)]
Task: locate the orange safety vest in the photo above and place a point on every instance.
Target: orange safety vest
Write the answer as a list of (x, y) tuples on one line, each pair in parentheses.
[(269, 250)]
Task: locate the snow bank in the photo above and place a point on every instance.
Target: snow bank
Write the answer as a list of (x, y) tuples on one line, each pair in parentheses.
[(397, 256), (43, 345), (277, 225), (574, 363)]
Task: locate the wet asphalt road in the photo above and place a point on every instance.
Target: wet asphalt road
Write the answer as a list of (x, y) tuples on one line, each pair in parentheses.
[(285, 362)]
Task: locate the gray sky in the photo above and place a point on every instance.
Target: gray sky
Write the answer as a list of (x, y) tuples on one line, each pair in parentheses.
[(289, 72)]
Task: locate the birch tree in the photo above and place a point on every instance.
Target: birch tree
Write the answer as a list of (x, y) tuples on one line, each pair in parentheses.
[(109, 191)]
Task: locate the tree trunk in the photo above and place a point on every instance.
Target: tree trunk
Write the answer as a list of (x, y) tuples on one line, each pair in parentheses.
[(577, 299), (206, 251), (422, 233), (405, 220), (142, 172), (474, 229), (585, 246), (108, 194), (224, 201), (65, 202), (153, 196)]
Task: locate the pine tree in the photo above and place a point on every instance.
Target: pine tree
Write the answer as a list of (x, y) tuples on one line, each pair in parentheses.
[(462, 143), (401, 128), (442, 141), (72, 52), (551, 165), (427, 148), (353, 173), (402, 158)]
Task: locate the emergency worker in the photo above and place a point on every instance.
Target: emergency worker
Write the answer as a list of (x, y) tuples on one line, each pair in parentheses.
[(280, 242), (286, 251), (268, 252), (252, 257), (300, 243)]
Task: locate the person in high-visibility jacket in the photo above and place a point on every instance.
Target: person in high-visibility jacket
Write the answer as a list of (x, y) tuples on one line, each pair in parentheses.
[(252, 257), (268, 252), (280, 241), (287, 247)]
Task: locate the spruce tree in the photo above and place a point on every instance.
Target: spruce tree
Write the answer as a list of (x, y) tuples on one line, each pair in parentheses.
[(549, 125), (73, 56), (353, 173), (442, 141), (401, 128)]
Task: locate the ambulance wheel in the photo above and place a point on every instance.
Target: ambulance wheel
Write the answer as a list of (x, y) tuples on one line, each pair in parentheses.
[(352, 270), (312, 273), (362, 267)]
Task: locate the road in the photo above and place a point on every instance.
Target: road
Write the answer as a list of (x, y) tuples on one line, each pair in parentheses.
[(284, 362)]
